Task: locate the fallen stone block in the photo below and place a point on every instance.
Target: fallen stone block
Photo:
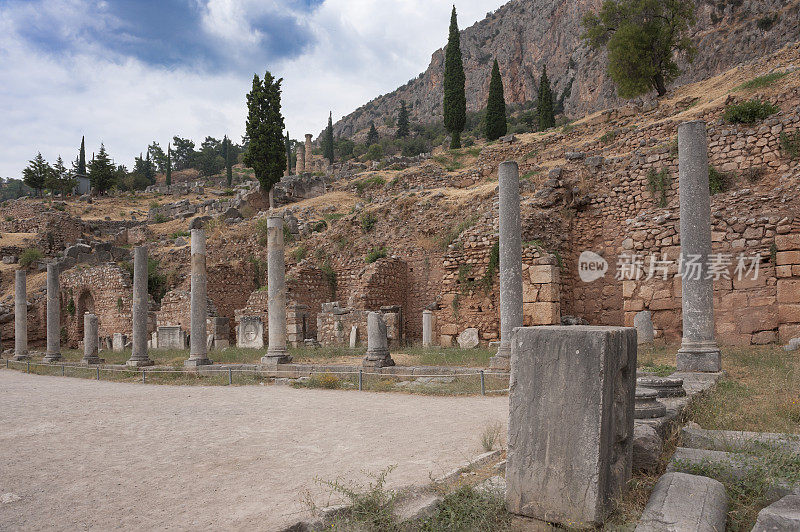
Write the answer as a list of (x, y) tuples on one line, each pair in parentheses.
[(780, 516), (647, 448), (732, 440), (682, 502)]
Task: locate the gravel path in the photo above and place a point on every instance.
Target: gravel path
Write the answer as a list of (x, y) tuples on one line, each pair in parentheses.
[(83, 454)]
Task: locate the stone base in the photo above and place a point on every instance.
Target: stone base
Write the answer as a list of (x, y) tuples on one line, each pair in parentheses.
[(50, 358), (699, 357), (195, 362), (500, 362), (371, 361), (274, 360), (21, 357), (97, 360), (139, 363)]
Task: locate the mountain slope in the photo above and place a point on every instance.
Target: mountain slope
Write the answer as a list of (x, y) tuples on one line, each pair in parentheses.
[(524, 35)]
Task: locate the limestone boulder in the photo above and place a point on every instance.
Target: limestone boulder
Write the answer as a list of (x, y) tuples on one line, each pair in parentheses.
[(468, 339)]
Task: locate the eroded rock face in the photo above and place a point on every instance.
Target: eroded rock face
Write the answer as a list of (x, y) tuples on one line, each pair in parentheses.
[(525, 35)]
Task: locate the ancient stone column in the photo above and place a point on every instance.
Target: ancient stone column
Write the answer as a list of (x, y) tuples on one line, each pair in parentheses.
[(53, 315), (20, 316), (510, 262), (570, 427), (699, 350), (308, 150), (301, 162), (139, 355), (377, 342), (198, 346), (276, 292), (90, 340), (427, 328)]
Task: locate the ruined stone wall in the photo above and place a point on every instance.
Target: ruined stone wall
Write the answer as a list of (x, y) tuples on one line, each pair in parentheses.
[(335, 323), (176, 310), (106, 290), (311, 287), (228, 286), (55, 229), (471, 293)]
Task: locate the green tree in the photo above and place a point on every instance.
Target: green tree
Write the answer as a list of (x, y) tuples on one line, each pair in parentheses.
[(227, 151), (544, 103), (150, 171), (101, 171), (60, 181), (37, 173), (643, 38), (81, 169), (158, 157), (496, 124), (184, 153), (288, 145), (455, 101), (265, 151), (372, 136), (169, 165), (328, 142), (402, 121)]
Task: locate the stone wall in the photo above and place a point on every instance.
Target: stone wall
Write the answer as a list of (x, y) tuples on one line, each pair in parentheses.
[(334, 324), (176, 311)]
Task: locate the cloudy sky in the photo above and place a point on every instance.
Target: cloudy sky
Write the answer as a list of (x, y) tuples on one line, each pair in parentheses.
[(127, 72)]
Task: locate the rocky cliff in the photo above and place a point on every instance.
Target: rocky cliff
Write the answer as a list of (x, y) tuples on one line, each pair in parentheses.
[(526, 35)]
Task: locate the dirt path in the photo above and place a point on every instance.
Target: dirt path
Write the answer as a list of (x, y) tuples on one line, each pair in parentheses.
[(84, 454)]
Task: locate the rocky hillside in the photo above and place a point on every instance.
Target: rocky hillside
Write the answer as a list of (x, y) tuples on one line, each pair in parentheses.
[(526, 35)]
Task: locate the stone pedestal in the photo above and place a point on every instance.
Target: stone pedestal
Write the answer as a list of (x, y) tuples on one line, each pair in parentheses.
[(643, 323), (276, 293), (250, 332), (647, 405), (53, 315), (198, 346), (664, 386), (699, 350), (118, 341), (170, 337), (221, 331), (570, 434), (377, 343), (90, 340), (510, 262), (139, 357), (20, 316), (427, 328)]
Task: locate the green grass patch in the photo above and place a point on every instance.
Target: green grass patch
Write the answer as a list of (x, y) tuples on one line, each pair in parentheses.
[(749, 112), (374, 254), (761, 81), (454, 232)]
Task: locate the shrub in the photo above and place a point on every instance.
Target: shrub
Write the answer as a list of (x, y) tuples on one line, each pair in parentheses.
[(368, 221), (261, 231), (326, 380), (299, 253), (718, 181), (368, 182), (29, 256), (749, 112), (790, 144), (160, 219), (450, 236), (71, 306), (330, 276), (374, 153), (658, 183), (179, 234), (608, 136), (375, 254)]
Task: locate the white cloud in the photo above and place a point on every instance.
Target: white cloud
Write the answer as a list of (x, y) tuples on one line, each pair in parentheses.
[(363, 49)]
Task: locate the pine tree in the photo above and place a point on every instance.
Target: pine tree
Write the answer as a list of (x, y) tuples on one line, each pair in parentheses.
[(372, 136), (455, 101), (82, 158), (402, 121), (101, 171), (169, 165), (60, 180), (544, 103), (329, 139), (149, 171), (264, 127), (37, 173), (496, 125)]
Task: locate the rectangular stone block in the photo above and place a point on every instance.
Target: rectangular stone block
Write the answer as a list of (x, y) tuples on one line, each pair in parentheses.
[(544, 273), (171, 337), (787, 257), (787, 242), (543, 313), (250, 332), (118, 342), (570, 437), (788, 290)]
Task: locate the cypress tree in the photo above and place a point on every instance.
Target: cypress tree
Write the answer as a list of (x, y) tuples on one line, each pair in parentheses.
[(264, 127), (82, 157), (228, 160), (329, 139), (402, 121), (455, 101), (496, 125), (372, 136), (288, 154), (169, 165), (544, 103)]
